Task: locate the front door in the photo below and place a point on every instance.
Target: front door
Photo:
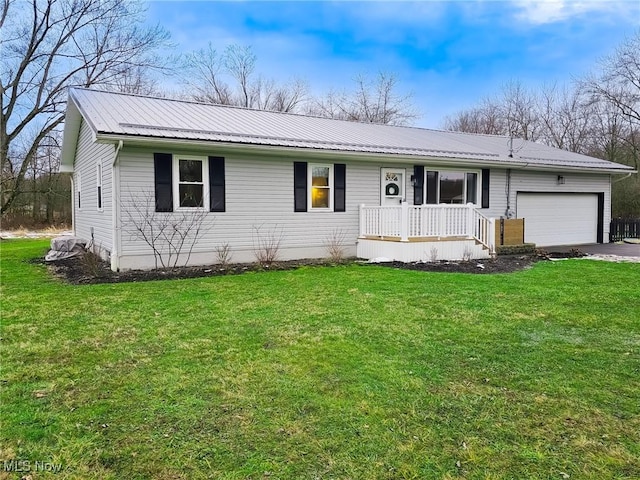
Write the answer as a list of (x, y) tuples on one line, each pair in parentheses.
[(391, 186)]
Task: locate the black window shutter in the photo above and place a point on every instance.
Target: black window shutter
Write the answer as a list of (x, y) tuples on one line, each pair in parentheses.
[(418, 184), (339, 187), (472, 187), (300, 186), (485, 188), (432, 187), (162, 170), (216, 184)]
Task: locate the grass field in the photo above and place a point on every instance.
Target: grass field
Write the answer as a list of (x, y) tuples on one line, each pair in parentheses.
[(350, 372)]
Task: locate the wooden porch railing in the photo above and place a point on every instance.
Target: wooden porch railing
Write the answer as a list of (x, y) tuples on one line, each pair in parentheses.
[(422, 221)]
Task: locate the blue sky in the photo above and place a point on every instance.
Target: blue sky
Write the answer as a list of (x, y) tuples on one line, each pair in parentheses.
[(448, 55)]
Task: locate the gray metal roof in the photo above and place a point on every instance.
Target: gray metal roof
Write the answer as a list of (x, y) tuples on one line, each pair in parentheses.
[(121, 115)]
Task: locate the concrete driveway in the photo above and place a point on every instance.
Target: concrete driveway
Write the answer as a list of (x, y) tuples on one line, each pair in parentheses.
[(618, 249)]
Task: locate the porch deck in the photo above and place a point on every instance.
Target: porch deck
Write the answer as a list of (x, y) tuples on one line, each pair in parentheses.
[(416, 239), (425, 232)]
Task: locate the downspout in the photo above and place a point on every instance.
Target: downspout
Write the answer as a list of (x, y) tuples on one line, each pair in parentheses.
[(622, 178), (73, 206), (115, 209), (508, 212)]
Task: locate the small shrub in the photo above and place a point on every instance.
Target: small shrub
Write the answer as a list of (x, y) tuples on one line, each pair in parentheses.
[(266, 245), (90, 262), (467, 254), (223, 254), (171, 236), (334, 245), (433, 254)]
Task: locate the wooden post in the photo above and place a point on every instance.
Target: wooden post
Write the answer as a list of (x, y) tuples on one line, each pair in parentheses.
[(361, 217), (492, 236)]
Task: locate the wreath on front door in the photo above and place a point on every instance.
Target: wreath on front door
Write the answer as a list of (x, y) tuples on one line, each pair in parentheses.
[(392, 190)]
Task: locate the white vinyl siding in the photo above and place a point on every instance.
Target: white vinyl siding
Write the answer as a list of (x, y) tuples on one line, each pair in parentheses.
[(88, 154), (260, 202), (259, 197), (546, 182)]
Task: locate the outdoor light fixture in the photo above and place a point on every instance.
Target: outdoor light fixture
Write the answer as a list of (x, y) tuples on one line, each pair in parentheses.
[(560, 180), (413, 180)]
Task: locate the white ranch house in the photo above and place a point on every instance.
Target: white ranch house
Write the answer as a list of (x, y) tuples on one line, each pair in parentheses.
[(397, 192)]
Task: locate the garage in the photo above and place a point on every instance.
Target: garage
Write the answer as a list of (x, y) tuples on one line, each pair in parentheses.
[(560, 219)]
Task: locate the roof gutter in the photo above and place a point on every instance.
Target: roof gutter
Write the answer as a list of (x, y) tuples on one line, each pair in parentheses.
[(295, 151), (625, 177), (356, 155)]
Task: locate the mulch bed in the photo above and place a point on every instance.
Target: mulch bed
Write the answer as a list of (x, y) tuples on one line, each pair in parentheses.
[(78, 271)]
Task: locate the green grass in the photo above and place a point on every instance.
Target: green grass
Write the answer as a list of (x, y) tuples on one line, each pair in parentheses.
[(351, 372)]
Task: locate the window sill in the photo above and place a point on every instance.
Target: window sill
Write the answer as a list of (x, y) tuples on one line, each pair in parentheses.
[(190, 209)]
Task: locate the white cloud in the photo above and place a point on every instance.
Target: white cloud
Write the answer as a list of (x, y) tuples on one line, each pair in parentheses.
[(540, 12)]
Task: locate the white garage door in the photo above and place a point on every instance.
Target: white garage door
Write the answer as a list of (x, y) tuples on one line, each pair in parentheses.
[(552, 219)]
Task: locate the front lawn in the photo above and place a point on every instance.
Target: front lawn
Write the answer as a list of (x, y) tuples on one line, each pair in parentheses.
[(343, 372)]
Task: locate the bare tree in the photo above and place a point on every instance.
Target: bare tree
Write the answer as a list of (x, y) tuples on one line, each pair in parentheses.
[(514, 112), (137, 80), (619, 82), (598, 116), (570, 118), (49, 45), (487, 119), (286, 97), (618, 85), (240, 63), (374, 100), (230, 78), (519, 107), (616, 92), (566, 118), (205, 77)]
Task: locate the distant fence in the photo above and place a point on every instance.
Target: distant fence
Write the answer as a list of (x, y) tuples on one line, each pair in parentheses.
[(622, 228)]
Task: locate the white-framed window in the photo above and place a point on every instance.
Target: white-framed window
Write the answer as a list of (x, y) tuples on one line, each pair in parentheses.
[(452, 187), (99, 185), (190, 182), (79, 189), (320, 189)]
